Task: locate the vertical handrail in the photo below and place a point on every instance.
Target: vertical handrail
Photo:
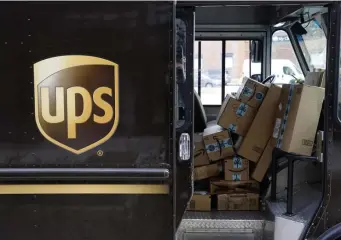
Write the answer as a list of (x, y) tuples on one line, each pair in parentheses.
[(274, 175), (223, 71), (290, 185)]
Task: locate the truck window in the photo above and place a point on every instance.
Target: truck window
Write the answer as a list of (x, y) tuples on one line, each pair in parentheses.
[(210, 71), (313, 45), (284, 63), (209, 60)]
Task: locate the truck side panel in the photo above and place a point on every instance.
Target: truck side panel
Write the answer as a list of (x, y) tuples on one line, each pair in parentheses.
[(137, 37), (92, 217)]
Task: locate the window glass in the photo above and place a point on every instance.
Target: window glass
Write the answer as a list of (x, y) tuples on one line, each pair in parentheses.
[(284, 63), (313, 45), (196, 63), (236, 64), (209, 64)]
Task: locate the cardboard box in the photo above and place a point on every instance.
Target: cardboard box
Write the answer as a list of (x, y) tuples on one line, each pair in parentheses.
[(236, 116), (314, 78), (261, 128), (236, 169), (251, 92), (252, 166), (323, 81), (264, 161), (200, 202), (200, 155), (238, 201), (218, 143), (207, 171), (298, 134), (217, 185)]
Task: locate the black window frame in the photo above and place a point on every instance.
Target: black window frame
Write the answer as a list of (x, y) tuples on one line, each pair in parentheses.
[(223, 59)]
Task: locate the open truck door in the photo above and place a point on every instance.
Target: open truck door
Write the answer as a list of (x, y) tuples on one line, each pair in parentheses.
[(327, 219), (88, 144)]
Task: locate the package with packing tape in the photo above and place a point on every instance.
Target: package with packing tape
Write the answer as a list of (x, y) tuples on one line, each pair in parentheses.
[(261, 128), (236, 169), (251, 92), (297, 118), (235, 116), (238, 200), (218, 185), (204, 172), (264, 162), (220, 143), (200, 201), (200, 155)]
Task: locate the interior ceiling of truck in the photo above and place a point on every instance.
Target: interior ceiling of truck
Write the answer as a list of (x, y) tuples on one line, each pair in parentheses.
[(269, 14)]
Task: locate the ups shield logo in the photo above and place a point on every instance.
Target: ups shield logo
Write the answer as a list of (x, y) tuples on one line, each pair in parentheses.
[(76, 101)]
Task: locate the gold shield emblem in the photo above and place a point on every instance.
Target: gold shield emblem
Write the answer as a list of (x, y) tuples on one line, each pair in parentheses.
[(76, 101)]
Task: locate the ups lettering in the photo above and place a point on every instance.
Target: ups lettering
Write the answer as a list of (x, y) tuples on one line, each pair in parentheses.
[(71, 117)]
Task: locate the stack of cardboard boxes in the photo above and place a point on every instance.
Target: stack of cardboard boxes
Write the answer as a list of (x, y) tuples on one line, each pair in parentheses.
[(234, 155)]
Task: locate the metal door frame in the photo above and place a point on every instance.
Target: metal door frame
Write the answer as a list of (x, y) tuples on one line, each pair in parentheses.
[(182, 180), (328, 213)]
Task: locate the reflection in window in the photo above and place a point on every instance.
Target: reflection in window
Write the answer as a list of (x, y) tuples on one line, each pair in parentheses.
[(314, 45), (180, 74), (284, 63)]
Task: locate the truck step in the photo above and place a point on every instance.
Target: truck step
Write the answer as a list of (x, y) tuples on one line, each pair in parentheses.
[(223, 225)]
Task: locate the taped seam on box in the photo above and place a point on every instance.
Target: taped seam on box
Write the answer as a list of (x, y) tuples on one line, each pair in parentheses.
[(285, 118), (248, 92), (236, 177), (241, 109), (219, 145), (251, 93), (237, 162)]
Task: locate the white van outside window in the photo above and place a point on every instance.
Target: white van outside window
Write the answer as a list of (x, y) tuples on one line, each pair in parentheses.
[(285, 71), (284, 63)]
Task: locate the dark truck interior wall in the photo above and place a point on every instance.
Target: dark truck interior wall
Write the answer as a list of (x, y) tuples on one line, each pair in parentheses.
[(213, 15), (255, 15)]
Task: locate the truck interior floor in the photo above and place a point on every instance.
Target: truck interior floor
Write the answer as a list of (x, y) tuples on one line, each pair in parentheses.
[(254, 224)]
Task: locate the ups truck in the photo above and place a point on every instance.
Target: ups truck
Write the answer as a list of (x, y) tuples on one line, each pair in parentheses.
[(98, 111)]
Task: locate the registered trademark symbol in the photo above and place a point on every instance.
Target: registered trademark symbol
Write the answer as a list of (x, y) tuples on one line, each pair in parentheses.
[(100, 153)]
